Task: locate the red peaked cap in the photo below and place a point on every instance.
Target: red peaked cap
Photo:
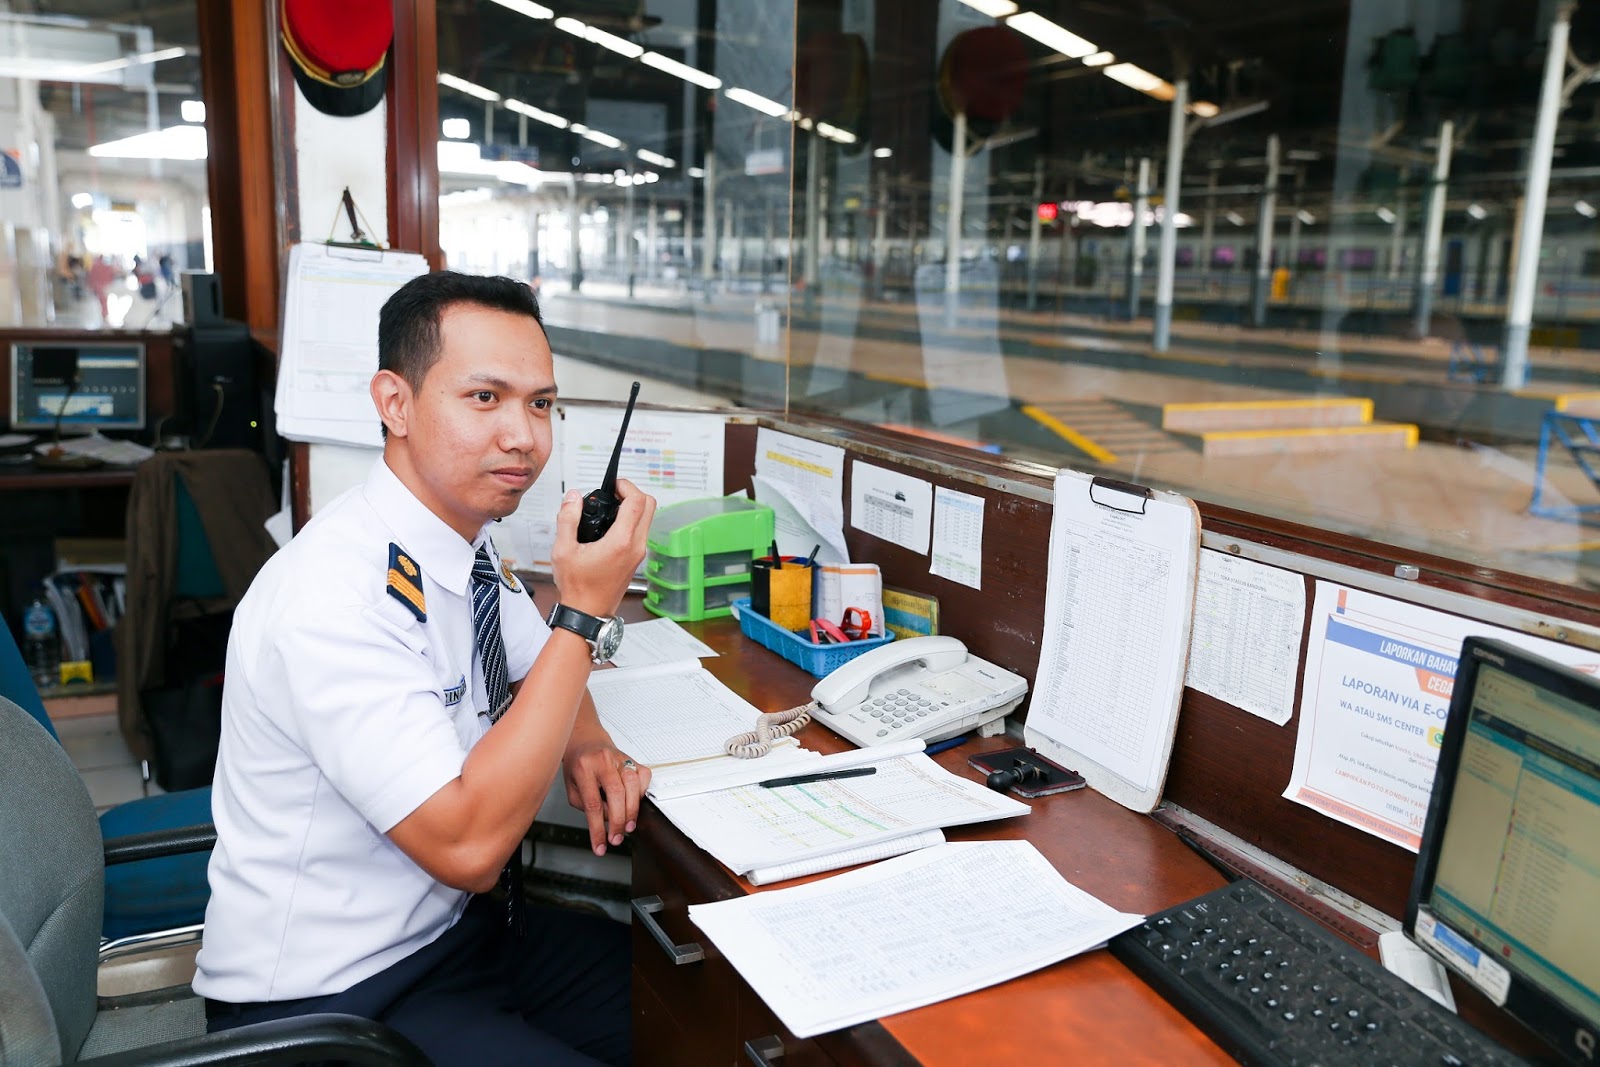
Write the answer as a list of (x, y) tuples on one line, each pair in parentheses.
[(338, 51)]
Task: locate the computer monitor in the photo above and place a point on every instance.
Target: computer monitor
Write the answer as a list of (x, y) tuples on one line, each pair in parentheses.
[(1507, 886), (89, 385)]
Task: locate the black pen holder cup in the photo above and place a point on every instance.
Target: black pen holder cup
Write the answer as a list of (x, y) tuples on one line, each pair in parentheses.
[(785, 590)]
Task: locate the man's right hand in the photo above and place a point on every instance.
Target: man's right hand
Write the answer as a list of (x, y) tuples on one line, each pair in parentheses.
[(594, 577)]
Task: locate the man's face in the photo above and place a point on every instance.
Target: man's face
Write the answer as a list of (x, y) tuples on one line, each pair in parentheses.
[(479, 428)]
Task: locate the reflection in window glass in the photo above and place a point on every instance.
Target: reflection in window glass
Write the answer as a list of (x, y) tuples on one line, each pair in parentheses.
[(102, 163), (624, 158), (1337, 267)]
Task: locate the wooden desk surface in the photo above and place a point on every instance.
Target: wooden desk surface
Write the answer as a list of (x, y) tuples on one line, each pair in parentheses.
[(1089, 1009), (16, 477)]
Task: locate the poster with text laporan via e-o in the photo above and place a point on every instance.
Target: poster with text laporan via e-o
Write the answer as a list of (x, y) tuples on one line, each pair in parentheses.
[(1379, 676)]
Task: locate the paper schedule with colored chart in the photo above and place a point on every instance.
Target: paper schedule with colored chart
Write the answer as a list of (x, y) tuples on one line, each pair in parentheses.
[(1378, 681)]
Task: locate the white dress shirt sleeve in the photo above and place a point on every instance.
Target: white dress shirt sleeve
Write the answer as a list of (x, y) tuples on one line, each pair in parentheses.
[(364, 701)]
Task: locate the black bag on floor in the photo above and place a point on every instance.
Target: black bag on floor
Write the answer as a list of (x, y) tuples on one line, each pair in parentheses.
[(185, 714)]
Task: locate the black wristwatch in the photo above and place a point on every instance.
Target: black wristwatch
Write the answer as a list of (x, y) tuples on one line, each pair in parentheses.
[(603, 634)]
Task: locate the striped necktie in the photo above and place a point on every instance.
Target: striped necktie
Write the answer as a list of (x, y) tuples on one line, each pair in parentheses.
[(486, 633), (492, 655)]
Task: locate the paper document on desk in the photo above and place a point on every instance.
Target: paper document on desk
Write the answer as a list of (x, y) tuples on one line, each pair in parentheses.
[(646, 644), (906, 932), (750, 826), (676, 717)]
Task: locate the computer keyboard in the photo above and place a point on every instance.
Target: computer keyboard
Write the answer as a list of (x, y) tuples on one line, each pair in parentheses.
[(1272, 987)]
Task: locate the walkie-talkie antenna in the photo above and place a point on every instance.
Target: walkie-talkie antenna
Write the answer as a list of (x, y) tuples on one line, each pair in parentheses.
[(600, 506), (610, 483)]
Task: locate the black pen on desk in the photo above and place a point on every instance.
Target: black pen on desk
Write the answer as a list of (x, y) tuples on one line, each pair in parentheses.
[(820, 776), (813, 557), (777, 560)]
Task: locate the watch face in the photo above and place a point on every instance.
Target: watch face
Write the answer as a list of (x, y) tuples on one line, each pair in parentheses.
[(608, 640)]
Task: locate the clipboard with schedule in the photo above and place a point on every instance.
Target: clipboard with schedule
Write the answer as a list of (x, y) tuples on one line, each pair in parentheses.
[(1119, 605)]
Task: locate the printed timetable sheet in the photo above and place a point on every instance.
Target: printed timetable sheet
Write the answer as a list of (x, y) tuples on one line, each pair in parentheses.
[(906, 932)]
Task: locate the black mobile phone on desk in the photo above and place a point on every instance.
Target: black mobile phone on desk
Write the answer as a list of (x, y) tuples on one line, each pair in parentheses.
[(600, 507)]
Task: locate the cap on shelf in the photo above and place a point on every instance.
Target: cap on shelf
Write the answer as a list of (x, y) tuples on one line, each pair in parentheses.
[(338, 50)]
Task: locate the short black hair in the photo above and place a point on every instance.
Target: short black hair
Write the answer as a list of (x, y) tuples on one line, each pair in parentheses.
[(408, 325)]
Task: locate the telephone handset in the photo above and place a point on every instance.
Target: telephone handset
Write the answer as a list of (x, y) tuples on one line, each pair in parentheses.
[(927, 687)]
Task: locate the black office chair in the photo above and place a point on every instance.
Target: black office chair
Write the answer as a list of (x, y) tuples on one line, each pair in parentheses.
[(51, 888)]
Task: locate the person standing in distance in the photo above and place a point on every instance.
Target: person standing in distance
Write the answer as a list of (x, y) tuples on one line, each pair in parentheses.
[(395, 711)]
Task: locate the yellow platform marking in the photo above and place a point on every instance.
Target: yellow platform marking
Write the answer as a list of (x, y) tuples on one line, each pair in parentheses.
[(1073, 437), (913, 383), (1272, 405), (1367, 428), (1565, 400)]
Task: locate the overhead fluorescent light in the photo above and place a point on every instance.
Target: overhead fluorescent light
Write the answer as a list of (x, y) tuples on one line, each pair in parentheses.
[(456, 129), (649, 176), (757, 101), (882, 153), (834, 133), (621, 45), (174, 142), (697, 172), (461, 85), (601, 138), (527, 7), (1235, 218), (1099, 59), (1139, 78), (1584, 208), (681, 70), (1477, 211), (997, 9), (193, 111), (1304, 155), (539, 113), (1204, 108), (1050, 35), (1305, 216), (158, 56), (82, 200), (655, 157), (464, 157), (1385, 214)]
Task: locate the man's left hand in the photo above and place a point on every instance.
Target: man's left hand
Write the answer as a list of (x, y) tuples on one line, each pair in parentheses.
[(607, 786)]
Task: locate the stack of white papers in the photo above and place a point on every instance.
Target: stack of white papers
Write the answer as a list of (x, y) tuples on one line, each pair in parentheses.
[(330, 340), (906, 932), (676, 717), (749, 826)]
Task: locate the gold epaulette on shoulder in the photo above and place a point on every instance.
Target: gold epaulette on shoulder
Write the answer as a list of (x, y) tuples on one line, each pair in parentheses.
[(405, 582)]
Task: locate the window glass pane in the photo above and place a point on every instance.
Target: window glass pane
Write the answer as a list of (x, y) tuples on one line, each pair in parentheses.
[(1316, 261), (102, 163), (623, 157)]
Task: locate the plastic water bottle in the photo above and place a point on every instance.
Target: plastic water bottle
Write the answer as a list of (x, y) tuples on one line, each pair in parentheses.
[(41, 644)]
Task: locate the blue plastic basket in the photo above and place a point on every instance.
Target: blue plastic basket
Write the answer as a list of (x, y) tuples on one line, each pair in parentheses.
[(817, 660)]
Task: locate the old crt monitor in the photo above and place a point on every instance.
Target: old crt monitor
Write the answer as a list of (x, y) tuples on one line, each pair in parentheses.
[(1507, 886), (89, 385)]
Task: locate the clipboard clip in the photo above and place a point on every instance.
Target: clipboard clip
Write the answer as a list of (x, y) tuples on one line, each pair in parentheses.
[(1141, 493)]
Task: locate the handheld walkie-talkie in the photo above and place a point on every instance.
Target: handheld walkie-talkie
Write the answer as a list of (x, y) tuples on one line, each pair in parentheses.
[(600, 506)]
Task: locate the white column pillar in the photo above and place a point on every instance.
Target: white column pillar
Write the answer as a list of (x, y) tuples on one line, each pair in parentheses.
[(1265, 217), (651, 252), (813, 235), (1137, 243), (1519, 311), (952, 233), (1169, 217), (1034, 234), (1208, 224), (708, 266), (880, 237), (1433, 233)]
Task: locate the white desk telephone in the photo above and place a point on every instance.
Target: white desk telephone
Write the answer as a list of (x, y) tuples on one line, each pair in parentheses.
[(927, 687)]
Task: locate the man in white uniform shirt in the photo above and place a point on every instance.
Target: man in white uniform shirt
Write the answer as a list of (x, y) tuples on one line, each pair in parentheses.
[(395, 711)]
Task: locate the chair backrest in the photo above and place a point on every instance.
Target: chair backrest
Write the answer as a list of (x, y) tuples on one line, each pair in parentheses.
[(52, 879), (16, 681), (27, 1026)]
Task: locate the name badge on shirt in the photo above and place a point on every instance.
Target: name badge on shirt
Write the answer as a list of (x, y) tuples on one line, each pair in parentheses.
[(453, 695)]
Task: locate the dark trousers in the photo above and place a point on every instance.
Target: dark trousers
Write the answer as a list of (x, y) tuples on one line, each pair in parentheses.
[(480, 997)]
